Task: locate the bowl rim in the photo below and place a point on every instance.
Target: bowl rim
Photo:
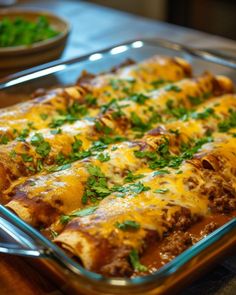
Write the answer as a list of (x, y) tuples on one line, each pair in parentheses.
[(14, 11)]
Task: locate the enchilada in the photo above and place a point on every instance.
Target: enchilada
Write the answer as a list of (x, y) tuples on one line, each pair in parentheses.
[(149, 162)]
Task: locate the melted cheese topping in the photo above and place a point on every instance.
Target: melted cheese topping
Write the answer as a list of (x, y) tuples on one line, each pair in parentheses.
[(153, 201), (152, 210)]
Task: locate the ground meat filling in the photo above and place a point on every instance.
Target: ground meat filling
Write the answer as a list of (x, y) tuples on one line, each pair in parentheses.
[(120, 265), (175, 244), (209, 228), (178, 241)]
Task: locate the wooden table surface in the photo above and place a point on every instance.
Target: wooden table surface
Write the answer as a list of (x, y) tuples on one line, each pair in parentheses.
[(93, 28)]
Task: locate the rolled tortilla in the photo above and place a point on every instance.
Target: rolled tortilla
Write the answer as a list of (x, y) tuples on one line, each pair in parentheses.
[(11, 168), (103, 247), (40, 110), (121, 159)]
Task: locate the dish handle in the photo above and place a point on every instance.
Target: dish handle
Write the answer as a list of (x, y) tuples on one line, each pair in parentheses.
[(15, 241)]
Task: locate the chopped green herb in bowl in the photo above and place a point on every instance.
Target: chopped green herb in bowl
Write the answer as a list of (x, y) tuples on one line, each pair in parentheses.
[(29, 38), (20, 31)]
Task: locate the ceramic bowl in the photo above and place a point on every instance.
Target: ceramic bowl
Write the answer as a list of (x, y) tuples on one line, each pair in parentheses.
[(13, 59)]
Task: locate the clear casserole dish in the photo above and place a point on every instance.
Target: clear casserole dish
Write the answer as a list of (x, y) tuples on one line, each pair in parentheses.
[(19, 238)]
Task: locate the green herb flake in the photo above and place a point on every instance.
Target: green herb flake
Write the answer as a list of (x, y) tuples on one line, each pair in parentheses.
[(12, 154), (90, 100), (96, 186), (228, 123), (103, 128), (26, 158), (53, 233), (174, 88), (43, 148), (114, 148), (39, 165), (80, 213), (138, 98), (59, 168), (203, 115), (128, 225), (56, 131), (158, 83), (76, 145), (161, 172), (130, 177), (43, 116), (134, 260), (4, 139), (195, 100), (103, 157), (161, 191), (23, 134), (179, 172)]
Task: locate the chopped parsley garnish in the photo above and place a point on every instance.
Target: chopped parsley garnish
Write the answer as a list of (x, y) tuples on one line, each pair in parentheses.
[(203, 115), (105, 107), (12, 154), (196, 100), (102, 128), (128, 225), (4, 139), (39, 165), (43, 148), (132, 177), (174, 88), (158, 83), (115, 107), (96, 186), (30, 168), (161, 190), (163, 148), (23, 134), (103, 157), (56, 131), (72, 114), (113, 139), (138, 98), (123, 85), (80, 213), (138, 124), (161, 172), (59, 168), (134, 260), (176, 131), (76, 145), (162, 158), (90, 99), (179, 172), (177, 112), (136, 188), (43, 116), (229, 122), (26, 158), (103, 142), (53, 233), (98, 146)]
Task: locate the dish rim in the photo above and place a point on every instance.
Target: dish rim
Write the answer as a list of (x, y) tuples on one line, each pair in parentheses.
[(50, 250)]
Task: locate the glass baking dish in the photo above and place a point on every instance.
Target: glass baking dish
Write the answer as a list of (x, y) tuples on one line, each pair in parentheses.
[(18, 238)]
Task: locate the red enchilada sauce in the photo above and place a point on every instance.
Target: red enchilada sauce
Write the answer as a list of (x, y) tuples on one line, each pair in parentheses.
[(162, 252)]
